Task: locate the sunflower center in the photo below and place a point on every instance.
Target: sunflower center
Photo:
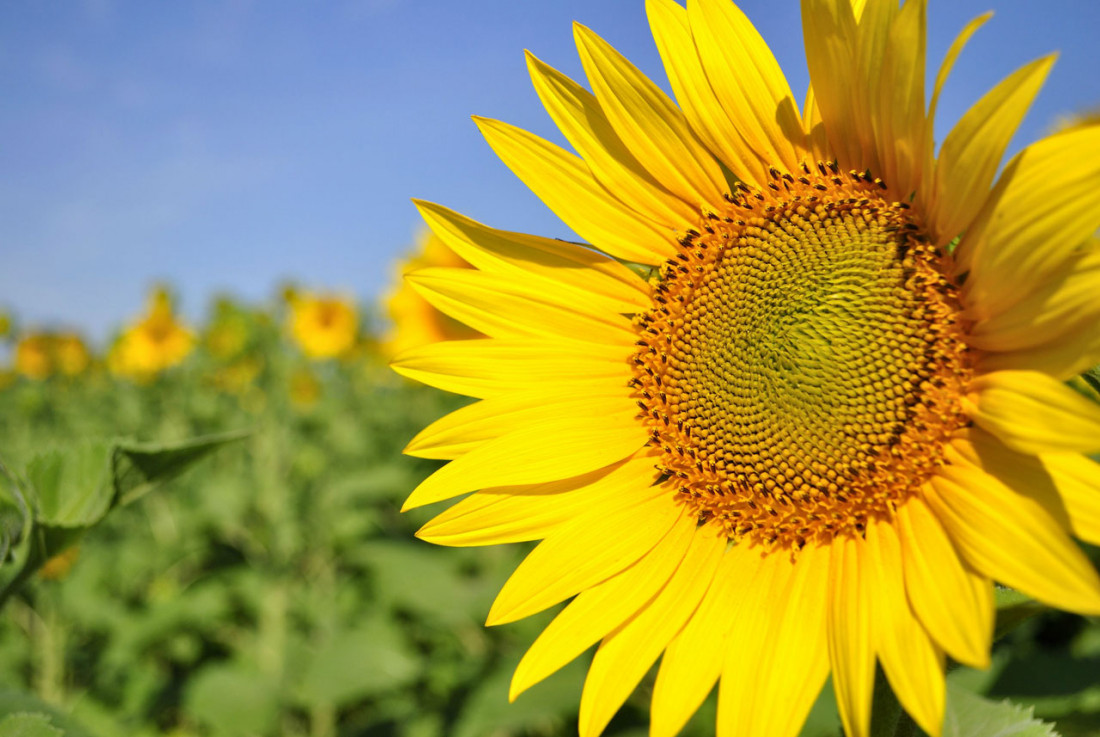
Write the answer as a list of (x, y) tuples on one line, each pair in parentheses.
[(801, 368)]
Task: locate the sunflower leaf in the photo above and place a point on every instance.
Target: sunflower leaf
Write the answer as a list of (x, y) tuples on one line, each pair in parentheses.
[(140, 467), (66, 491), (28, 724), (968, 715), (1013, 609)]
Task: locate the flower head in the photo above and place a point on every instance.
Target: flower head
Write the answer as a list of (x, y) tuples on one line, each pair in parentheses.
[(324, 326), (71, 355), (34, 356), (155, 342), (414, 321), (831, 416), (39, 355)]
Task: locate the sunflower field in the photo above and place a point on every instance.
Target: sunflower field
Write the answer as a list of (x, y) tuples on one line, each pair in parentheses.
[(275, 589)]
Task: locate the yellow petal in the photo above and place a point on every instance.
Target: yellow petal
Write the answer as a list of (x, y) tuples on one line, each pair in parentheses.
[(957, 46), (693, 661), (1078, 481), (1063, 309), (1062, 359), (590, 549), (558, 264), (913, 663), (602, 608), (507, 514), (829, 32), (1045, 206), (564, 182), (472, 426), (816, 139), (776, 653), (749, 84), (1063, 484), (951, 57), (693, 91), (954, 602), (650, 125), (852, 618), (493, 367), (580, 118), (870, 47), (972, 151), (1012, 539), (555, 448), (627, 653), (1033, 413), (900, 134), (503, 307)]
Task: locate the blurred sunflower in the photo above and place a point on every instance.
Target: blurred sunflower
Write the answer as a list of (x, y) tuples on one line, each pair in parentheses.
[(228, 333), (324, 326), (413, 320), (34, 356), (305, 388), (71, 354), (832, 414), (39, 355), (153, 343)]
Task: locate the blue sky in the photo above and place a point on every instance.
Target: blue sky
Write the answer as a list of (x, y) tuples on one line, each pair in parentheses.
[(227, 146)]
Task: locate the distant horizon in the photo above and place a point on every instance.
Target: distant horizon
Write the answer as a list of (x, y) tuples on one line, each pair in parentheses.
[(230, 148)]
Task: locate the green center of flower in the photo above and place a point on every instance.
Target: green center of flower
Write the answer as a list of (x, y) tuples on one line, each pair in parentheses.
[(802, 364)]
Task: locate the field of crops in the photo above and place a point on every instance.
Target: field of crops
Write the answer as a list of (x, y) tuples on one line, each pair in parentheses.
[(275, 589)]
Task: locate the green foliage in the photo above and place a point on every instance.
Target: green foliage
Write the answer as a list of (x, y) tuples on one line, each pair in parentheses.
[(65, 492), (24, 724), (272, 589), (968, 715)]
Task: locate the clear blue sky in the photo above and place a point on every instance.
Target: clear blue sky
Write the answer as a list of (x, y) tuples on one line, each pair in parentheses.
[(226, 146)]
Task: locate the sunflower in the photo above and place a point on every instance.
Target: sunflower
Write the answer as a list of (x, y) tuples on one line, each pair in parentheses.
[(801, 401), (155, 342), (71, 354), (414, 321), (33, 356), (324, 326)]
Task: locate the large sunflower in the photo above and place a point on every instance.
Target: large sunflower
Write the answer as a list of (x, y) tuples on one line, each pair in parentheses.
[(831, 415)]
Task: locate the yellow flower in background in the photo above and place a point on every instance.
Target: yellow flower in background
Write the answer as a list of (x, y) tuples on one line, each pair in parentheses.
[(58, 567), (39, 355), (70, 354), (305, 388), (34, 356), (324, 326), (1077, 120), (831, 417), (414, 322), (157, 341), (228, 332)]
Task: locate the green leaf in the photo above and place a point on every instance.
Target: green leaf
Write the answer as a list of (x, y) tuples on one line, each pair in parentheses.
[(968, 715), (357, 663), (140, 467), (232, 699), (28, 724), (72, 487), (1013, 609), (14, 514), (14, 702), (544, 709)]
